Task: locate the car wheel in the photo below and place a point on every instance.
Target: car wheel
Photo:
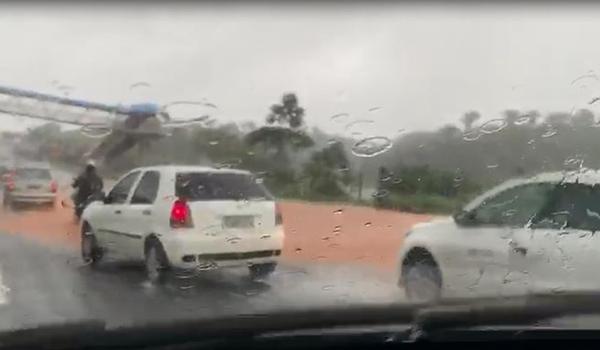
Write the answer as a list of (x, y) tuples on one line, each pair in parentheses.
[(422, 280), (90, 251), (156, 263), (261, 271)]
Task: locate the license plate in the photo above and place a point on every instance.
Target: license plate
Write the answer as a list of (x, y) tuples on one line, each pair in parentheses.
[(238, 221), (34, 187)]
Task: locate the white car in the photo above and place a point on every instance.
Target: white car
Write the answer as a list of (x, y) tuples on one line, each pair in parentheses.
[(185, 217), (525, 235)]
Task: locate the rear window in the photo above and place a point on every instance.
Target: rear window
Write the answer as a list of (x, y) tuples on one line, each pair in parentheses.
[(215, 186), (32, 174)]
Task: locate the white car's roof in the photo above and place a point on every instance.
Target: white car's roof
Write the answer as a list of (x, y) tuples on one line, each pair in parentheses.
[(192, 168), (584, 176)]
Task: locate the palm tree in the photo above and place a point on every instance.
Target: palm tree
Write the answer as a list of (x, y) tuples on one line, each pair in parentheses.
[(469, 119), (288, 112), (286, 136)]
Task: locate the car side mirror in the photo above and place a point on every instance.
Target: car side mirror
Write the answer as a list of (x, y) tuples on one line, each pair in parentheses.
[(100, 196), (465, 218)]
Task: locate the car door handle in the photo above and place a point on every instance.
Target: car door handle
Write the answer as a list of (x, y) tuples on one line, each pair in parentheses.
[(117, 212), (147, 212)]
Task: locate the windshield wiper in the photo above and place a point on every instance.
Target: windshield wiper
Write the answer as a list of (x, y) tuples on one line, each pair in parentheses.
[(509, 311)]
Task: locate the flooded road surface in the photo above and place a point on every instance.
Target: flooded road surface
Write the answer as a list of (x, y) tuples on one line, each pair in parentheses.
[(333, 255), (48, 284)]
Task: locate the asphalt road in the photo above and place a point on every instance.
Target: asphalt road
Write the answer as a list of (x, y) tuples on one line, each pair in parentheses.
[(42, 284)]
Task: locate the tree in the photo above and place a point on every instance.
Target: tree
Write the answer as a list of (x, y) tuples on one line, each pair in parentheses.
[(511, 116), (287, 113), (285, 137), (583, 118), (469, 118), (326, 172)]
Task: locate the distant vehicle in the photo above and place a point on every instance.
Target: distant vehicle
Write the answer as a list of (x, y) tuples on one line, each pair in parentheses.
[(30, 183), (5, 170), (526, 235), (185, 217)]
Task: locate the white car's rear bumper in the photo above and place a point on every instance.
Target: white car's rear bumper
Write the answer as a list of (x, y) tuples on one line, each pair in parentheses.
[(25, 197), (192, 250)]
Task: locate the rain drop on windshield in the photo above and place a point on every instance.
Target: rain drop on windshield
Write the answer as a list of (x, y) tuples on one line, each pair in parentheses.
[(549, 133), (371, 146), (472, 135), (358, 122), (139, 84), (522, 120), (340, 117), (493, 126), (381, 193)]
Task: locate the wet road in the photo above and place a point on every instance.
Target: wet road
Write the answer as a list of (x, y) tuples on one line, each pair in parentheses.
[(48, 284), (43, 280)]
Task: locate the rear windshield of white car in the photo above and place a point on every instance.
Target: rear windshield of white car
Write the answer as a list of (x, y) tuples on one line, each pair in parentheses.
[(32, 174), (216, 186)]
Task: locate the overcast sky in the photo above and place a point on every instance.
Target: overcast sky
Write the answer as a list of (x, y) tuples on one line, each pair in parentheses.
[(424, 66)]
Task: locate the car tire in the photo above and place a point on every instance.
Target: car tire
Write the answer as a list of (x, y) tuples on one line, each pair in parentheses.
[(261, 271), (156, 263), (91, 253), (422, 279)]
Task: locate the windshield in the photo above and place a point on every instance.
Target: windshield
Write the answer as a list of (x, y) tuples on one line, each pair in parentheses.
[(32, 174), (202, 160)]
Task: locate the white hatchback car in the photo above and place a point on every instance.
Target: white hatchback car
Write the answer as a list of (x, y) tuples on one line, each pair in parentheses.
[(525, 235), (185, 217)]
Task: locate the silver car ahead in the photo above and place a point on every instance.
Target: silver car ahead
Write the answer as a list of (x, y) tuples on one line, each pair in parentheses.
[(30, 183)]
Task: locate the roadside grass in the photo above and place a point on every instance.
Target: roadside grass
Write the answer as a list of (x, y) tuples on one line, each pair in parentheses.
[(413, 203)]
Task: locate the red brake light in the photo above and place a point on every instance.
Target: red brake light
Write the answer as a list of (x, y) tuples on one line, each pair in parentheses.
[(278, 216), (53, 186), (10, 185), (180, 215)]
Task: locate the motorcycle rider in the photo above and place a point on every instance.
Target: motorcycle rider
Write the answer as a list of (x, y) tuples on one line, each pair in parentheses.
[(87, 184)]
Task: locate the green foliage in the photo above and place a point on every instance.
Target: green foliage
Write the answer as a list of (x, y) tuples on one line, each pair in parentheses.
[(326, 173), (287, 113), (423, 203), (286, 138)]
